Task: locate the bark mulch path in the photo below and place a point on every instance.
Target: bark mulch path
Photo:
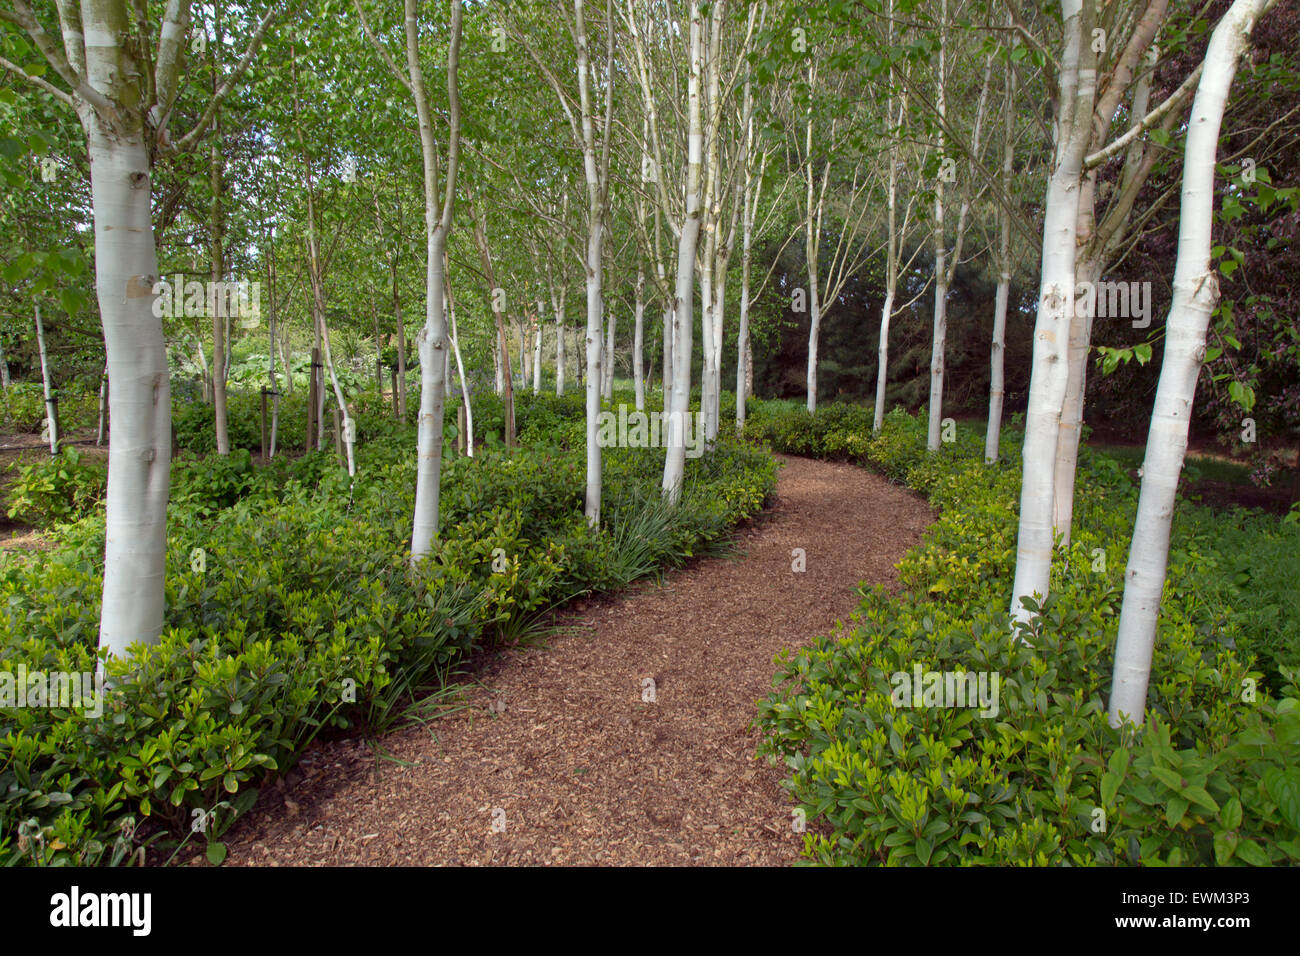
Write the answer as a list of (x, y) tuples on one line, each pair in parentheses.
[(579, 769)]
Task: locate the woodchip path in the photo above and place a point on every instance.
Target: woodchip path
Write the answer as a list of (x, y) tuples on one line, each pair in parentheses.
[(578, 768)]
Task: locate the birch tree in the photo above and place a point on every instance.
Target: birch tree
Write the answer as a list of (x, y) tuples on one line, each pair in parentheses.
[(678, 403), (944, 268), (816, 151), (1076, 88), (47, 386), (1098, 237), (592, 131), (1196, 293), (432, 342), (122, 77)]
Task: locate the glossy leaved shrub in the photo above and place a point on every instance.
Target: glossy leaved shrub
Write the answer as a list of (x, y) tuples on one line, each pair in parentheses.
[(1038, 777)]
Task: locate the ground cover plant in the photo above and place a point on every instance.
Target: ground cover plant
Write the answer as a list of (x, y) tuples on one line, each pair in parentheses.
[(291, 611), (1042, 779)]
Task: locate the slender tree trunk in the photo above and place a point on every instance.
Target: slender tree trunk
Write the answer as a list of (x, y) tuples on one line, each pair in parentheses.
[(596, 173), (557, 303), (432, 340), (939, 340), (1196, 294), (992, 435), (684, 293), (275, 379), (812, 240), (669, 349), (51, 405), (288, 371), (537, 348), (608, 390), (715, 365), (5, 383), (460, 362), (349, 425), (746, 255), (891, 256), (595, 367), (205, 380), (1050, 372), (379, 343), (814, 331), (505, 375), (103, 407), (882, 362), (638, 340), (220, 327)]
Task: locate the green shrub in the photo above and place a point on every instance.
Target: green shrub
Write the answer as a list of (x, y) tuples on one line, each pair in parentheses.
[(23, 405), (1210, 779), (195, 426), (58, 488), (291, 610)]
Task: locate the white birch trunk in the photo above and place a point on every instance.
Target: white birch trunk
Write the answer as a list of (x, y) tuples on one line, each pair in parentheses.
[(882, 362), (596, 179), (103, 407), (431, 342), (746, 254), (939, 339), (997, 373), (349, 426), (706, 326), (715, 395), (1067, 440), (557, 303), (1050, 371), (684, 292), (891, 256), (220, 325), (591, 506), (139, 448), (537, 349), (51, 408), (812, 239), (814, 329), (1196, 293), (460, 362), (607, 387), (274, 379), (638, 341)]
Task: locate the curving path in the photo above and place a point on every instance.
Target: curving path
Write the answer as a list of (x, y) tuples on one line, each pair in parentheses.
[(577, 768)]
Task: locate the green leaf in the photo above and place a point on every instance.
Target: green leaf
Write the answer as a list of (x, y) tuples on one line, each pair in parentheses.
[(1168, 777), (1284, 787), (1225, 845), (216, 853), (1109, 787), (1252, 853), (1230, 816), (1242, 394), (1175, 810), (923, 850), (1201, 797)]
